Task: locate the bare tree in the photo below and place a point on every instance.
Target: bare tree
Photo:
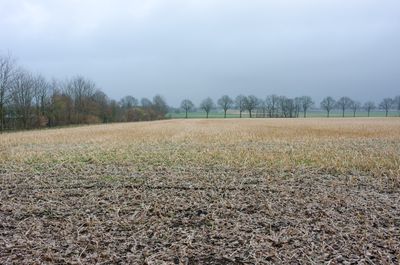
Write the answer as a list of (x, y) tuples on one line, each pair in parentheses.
[(250, 103), (81, 91), (344, 103), (160, 106), (328, 104), (114, 111), (100, 105), (272, 104), (306, 103), (386, 104), (27, 100), (187, 106), (128, 102), (146, 103), (225, 102), (6, 80), (22, 96), (355, 105), (61, 105), (297, 106), (287, 107), (397, 103), (239, 101), (263, 107), (207, 105), (368, 106), (41, 89)]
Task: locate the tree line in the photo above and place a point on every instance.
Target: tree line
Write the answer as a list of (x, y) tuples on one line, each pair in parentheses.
[(31, 101), (274, 106)]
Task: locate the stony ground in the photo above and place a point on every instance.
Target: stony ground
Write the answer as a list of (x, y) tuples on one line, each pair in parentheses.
[(203, 192)]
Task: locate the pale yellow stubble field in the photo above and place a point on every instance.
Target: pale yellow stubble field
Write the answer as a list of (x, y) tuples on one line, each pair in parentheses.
[(366, 146)]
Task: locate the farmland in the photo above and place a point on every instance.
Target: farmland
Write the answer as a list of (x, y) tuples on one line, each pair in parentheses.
[(235, 191), (310, 114)]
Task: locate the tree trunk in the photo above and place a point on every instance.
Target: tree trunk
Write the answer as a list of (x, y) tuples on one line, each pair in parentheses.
[(250, 113), (186, 115), (328, 114), (207, 114), (240, 113), (1, 120), (224, 113), (305, 113), (368, 112), (343, 113)]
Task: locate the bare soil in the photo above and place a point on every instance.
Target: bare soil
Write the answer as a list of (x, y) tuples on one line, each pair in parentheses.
[(110, 213)]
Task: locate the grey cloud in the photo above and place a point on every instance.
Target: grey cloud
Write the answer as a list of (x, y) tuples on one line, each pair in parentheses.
[(194, 49)]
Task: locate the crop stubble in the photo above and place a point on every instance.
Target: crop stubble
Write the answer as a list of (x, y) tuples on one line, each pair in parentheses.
[(203, 192)]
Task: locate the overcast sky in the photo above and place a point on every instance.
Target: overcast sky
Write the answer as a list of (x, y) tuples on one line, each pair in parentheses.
[(198, 48)]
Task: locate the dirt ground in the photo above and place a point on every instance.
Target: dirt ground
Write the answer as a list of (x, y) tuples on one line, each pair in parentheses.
[(203, 192)]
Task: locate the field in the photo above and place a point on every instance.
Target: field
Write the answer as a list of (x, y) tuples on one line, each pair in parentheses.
[(310, 114), (248, 191)]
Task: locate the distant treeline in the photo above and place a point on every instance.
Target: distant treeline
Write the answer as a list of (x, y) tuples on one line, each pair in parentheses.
[(30, 101), (274, 106)]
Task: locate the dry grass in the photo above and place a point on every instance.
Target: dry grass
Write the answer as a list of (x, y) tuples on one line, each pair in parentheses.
[(203, 191)]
